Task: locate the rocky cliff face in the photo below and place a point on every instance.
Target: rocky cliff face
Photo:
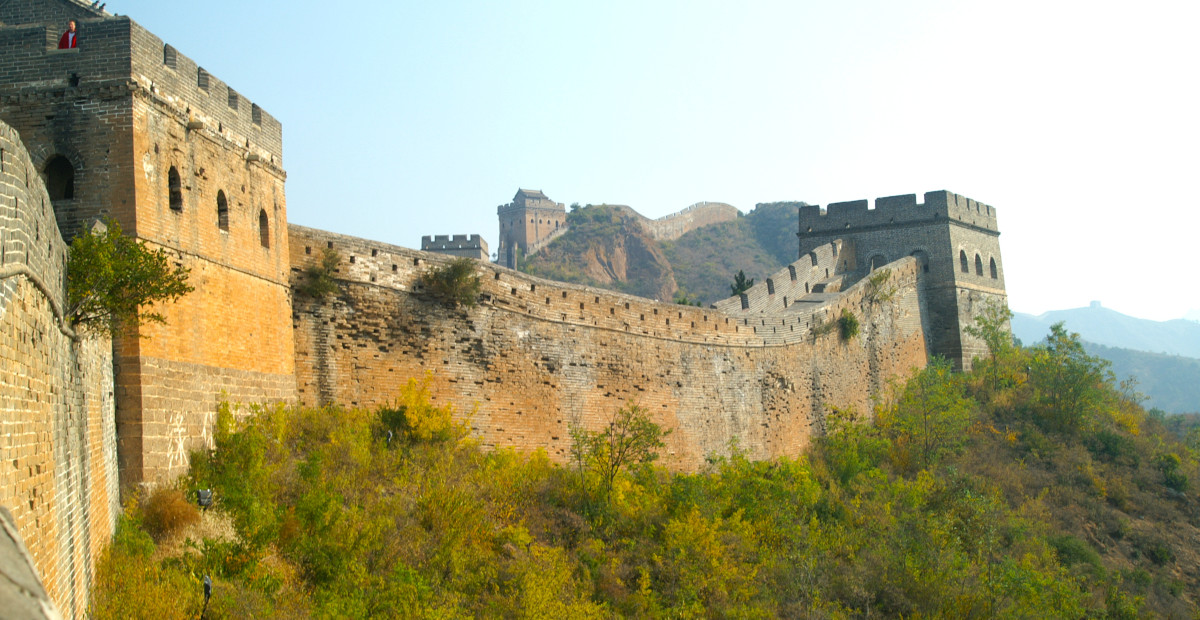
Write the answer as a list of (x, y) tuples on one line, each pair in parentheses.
[(607, 248)]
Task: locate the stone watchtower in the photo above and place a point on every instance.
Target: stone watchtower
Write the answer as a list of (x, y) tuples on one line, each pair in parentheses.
[(126, 127), (955, 239), (530, 218)]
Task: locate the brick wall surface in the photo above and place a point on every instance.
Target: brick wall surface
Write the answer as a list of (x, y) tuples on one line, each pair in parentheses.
[(58, 473), (535, 357)]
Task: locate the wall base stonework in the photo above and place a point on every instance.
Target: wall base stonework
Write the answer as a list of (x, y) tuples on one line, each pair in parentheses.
[(178, 411)]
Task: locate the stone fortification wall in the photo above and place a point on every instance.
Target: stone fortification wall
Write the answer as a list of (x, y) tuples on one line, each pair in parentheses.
[(800, 286), (58, 470), (535, 357), (676, 225)]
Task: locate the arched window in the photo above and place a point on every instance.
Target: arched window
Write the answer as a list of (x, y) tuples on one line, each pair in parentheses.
[(264, 229), (962, 262), (222, 211), (978, 265), (813, 257), (174, 190), (60, 178), (993, 267)]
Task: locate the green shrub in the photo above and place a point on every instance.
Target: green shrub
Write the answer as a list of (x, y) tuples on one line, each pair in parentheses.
[(1071, 551), (454, 284), (318, 277), (847, 324)]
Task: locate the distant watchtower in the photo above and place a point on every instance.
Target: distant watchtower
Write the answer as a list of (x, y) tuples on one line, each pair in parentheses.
[(126, 127), (955, 239), (528, 219)]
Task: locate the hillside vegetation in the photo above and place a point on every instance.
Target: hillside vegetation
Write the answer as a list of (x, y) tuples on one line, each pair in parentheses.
[(1031, 487), (607, 248)]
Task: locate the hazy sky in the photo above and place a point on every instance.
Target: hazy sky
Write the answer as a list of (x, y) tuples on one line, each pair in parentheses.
[(1078, 121)]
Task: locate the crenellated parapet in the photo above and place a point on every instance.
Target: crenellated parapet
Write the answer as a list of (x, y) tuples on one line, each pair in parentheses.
[(894, 211), (472, 246)]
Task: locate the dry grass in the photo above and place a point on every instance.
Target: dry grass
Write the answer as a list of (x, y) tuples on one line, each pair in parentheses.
[(167, 511), (211, 525)]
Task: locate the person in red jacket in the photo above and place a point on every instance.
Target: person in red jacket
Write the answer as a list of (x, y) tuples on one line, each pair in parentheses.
[(69, 38)]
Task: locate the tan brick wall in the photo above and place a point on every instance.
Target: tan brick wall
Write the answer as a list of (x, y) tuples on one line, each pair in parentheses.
[(537, 356), (58, 472)]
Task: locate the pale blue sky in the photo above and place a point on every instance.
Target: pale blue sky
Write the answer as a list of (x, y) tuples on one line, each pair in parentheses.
[(1076, 120)]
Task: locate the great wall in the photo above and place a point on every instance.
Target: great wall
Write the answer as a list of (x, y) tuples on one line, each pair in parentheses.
[(125, 127)]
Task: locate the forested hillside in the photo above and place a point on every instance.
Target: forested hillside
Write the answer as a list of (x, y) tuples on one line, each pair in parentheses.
[(606, 248), (1031, 487)]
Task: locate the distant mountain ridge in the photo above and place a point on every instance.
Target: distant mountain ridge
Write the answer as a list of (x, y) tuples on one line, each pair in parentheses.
[(1101, 325), (1169, 382), (610, 246)]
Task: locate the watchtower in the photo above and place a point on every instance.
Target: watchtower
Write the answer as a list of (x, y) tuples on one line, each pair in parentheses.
[(126, 127), (955, 239), (528, 219)]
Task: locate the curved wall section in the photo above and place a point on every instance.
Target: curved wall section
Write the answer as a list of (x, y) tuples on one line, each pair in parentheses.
[(535, 357), (58, 470)]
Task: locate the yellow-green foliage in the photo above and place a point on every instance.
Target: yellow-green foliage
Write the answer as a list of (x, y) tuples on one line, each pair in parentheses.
[(969, 496)]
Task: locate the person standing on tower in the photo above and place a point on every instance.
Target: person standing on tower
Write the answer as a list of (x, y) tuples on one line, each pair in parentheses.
[(69, 38)]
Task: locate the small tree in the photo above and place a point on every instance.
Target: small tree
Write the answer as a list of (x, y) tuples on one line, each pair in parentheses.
[(992, 327), (847, 324), (455, 284), (1070, 386), (740, 284), (112, 279), (931, 412), (630, 438), (318, 277)]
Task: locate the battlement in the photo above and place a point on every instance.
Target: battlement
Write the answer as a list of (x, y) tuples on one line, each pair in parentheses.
[(472, 246), (843, 217), (116, 53), (446, 242)]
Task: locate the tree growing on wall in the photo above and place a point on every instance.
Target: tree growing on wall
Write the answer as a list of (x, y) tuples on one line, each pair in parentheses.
[(454, 284), (740, 284), (318, 277), (114, 281)]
